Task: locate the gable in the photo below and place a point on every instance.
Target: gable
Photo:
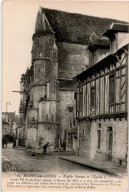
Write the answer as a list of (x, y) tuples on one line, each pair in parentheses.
[(42, 24)]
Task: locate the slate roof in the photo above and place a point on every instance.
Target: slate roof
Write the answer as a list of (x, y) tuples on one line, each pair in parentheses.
[(76, 28)]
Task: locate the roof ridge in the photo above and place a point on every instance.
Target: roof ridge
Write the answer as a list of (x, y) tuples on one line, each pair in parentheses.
[(43, 8)]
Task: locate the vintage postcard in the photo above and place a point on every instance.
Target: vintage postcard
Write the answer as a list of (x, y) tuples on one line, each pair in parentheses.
[(65, 95)]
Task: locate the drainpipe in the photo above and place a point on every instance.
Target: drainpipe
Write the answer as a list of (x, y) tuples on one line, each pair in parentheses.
[(59, 140), (78, 138)]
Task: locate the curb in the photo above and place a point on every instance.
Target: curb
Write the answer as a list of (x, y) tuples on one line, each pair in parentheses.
[(38, 152), (24, 149), (90, 166), (33, 151)]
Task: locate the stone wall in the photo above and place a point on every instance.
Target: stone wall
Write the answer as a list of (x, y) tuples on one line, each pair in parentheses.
[(31, 137), (66, 100), (39, 72), (45, 54), (120, 39), (37, 92), (45, 70), (32, 115), (72, 59), (101, 53), (84, 139), (47, 111), (98, 55), (48, 133), (119, 145), (42, 46), (52, 90), (123, 39)]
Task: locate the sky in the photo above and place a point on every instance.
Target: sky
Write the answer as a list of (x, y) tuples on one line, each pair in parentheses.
[(19, 17)]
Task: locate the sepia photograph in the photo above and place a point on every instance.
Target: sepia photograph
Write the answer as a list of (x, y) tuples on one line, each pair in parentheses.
[(65, 95)]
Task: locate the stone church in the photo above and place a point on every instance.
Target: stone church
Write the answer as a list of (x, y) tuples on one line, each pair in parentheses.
[(48, 90)]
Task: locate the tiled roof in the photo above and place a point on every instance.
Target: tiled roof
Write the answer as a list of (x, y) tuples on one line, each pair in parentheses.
[(75, 28)]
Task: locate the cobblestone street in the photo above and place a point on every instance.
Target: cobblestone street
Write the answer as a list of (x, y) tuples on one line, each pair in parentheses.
[(50, 163)]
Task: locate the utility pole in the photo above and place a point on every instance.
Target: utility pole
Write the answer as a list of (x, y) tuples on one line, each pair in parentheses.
[(6, 106), (7, 103)]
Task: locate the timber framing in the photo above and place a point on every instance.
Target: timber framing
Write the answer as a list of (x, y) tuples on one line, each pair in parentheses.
[(102, 75), (114, 65), (104, 116)]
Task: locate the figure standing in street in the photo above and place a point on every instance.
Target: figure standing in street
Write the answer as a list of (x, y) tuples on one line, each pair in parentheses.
[(45, 148), (14, 143), (4, 142)]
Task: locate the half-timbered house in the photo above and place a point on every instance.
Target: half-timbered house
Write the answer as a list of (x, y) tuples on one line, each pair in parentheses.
[(102, 98)]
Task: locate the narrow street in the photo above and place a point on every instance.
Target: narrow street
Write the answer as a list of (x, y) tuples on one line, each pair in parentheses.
[(50, 163)]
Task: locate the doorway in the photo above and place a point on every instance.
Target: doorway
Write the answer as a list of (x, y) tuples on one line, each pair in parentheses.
[(109, 143)]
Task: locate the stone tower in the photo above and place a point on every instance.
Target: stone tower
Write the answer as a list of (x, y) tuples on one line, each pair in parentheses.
[(42, 117)]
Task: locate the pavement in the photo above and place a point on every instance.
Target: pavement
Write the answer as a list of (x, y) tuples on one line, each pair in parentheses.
[(27, 161), (30, 150), (104, 167), (7, 165), (40, 151)]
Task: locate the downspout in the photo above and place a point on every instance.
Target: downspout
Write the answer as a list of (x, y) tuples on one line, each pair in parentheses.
[(78, 138)]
